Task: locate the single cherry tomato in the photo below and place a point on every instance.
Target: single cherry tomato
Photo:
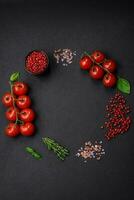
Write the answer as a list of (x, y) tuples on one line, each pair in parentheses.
[(109, 80), (12, 130), (20, 88), (23, 102), (98, 56), (27, 129), (85, 63), (110, 65), (7, 99), (11, 114), (27, 115), (96, 72)]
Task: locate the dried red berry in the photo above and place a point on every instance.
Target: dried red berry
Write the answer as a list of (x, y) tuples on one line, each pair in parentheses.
[(117, 119), (36, 62)]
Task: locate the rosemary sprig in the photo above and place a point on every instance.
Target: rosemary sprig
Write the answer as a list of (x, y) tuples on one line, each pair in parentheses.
[(59, 150)]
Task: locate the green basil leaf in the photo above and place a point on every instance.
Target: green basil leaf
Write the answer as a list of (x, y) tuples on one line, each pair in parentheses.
[(14, 77), (123, 85), (34, 153)]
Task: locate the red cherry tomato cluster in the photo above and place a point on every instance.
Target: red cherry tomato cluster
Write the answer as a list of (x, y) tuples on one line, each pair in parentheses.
[(19, 112), (100, 68)]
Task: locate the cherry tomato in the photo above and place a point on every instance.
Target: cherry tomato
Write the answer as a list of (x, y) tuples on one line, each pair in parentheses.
[(85, 63), (20, 88), (98, 56), (96, 72), (7, 99), (109, 80), (23, 102), (110, 65), (11, 113), (27, 115), (12, 130), (27, 129)]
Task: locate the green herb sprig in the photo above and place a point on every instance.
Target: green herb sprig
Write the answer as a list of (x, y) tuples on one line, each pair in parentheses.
[(59, 150), (33, 152)]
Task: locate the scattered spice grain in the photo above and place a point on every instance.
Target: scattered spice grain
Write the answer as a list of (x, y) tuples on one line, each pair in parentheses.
[(117, 119), (91, 151), (64, 56)]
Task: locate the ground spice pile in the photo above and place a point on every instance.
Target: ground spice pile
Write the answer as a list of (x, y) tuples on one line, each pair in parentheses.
[(117, 119), (91, 151), (64, 56)]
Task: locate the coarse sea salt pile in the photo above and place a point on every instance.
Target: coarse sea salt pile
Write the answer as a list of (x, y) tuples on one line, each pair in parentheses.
[(91, 151), (64, 56)]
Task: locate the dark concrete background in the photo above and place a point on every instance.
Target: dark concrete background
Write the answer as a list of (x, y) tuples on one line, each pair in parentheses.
[(70, 106)]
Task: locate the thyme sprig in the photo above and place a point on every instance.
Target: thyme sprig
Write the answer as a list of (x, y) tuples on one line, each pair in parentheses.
[(60, 151)]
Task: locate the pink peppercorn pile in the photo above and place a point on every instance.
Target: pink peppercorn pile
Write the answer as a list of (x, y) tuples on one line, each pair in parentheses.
[(117, 119), (36, 62)]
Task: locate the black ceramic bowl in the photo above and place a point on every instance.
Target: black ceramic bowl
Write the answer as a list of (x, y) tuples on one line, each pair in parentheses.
[(40, 69)]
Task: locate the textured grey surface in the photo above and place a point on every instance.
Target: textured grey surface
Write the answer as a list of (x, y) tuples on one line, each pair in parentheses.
[(70, 106)]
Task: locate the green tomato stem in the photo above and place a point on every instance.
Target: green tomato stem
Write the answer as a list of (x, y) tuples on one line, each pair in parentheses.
[(14, 105)]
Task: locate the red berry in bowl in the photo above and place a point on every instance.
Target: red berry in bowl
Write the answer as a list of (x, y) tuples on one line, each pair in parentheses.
[(85, 63), (98, 56), (36, 62), (109, 80), (7, 99), (96, 72), (27, 129), (12, 130), (110, 65), (23, 102), (20, 88)]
